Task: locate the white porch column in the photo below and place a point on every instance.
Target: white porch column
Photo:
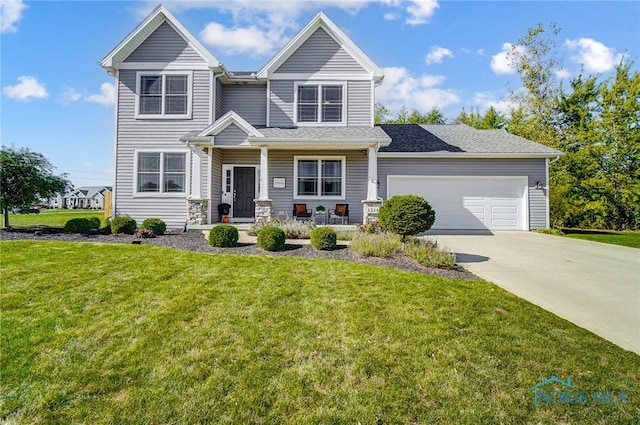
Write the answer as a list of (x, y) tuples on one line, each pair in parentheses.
[(196, 166), (372, 175), (264, 173)]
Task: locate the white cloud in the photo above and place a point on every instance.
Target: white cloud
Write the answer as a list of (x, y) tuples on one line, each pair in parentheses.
[(487, 99), (107, 96), (10, 14), (594, 55), (437, 54), (421, 11), (402, 88), (251, 40), (500, 63), (27, 88), (70, 95), (563, 73), (390, 16)]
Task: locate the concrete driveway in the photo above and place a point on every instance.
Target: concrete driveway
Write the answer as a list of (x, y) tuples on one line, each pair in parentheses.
[(594, 285)]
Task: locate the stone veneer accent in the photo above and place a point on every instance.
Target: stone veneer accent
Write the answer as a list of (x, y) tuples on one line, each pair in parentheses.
[(264, 208), (197, 211), (370, 208)]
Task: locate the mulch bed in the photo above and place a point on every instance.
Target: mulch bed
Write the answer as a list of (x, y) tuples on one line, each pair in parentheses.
[(195, 241)]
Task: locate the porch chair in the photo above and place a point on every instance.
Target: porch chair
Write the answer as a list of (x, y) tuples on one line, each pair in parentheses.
[(301, 212), (341, 212)]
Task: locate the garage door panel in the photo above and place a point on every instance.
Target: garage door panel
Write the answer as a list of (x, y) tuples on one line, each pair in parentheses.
[(472, 203)]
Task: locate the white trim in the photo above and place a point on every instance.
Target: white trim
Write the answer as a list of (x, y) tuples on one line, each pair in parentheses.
[(162, 151), (373, 104), (268, 103), (524, 213), (321, 21), (227, 197), (163, 115), (463, 155), (546, 193), (135, 38), (115, 145), (319, 158), (319, 76), (319, 122), (209, 183), (225, 121)]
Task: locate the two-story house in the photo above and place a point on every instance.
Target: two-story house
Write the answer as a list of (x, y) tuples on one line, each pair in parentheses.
[(191, 135)]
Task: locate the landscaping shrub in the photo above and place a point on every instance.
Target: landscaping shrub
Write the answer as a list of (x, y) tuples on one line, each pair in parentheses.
[(95, 221), (323, 238), (271, 238), (155, 224), (406, 215), (371, 227), (428, 254), (551, 231), (376, 244), (223, 236), (293, 229), (80, 225), (123, 224)]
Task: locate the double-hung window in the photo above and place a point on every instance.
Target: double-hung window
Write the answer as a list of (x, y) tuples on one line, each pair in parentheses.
[(320, 104), (166, 95), (161, 172), (320, 177)]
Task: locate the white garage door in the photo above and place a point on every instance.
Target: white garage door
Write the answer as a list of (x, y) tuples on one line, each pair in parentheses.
[(470, 203)]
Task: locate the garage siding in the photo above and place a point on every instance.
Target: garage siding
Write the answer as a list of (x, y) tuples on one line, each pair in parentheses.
[(534, 169)]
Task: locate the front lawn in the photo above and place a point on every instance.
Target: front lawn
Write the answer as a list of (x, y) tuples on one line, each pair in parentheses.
[(98, 333), (631, 239), (52, 217)]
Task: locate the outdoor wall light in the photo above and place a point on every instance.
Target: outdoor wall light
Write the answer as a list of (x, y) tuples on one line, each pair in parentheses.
[(538, 185)]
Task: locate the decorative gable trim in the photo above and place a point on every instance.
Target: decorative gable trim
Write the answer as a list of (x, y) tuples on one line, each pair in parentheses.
[(322, 21), (160, 14), (225, 121)]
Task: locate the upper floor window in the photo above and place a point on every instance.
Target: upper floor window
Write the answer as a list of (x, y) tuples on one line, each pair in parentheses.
[(321, 103), (161, 172), (163, 95)]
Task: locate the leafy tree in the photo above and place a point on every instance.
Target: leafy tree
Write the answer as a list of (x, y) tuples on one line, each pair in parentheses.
[(491, 119), (25, 178), (382, 114)]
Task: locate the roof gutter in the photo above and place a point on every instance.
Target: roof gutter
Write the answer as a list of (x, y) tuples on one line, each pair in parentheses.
[(478, 155)]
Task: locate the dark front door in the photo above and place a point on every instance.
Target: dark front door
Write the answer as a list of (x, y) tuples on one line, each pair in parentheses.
[(244, 191)]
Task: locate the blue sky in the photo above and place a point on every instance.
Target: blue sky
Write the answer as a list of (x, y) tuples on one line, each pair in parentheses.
[(446, 54)]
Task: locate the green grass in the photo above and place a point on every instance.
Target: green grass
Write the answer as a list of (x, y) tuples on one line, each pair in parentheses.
[(103, 334), (52, 217), (630, 239)]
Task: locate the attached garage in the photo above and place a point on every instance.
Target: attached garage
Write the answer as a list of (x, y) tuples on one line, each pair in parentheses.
[(469, 202)]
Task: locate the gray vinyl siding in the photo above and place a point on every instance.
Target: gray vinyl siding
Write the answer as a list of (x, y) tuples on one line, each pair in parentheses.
[(320, 53), (281, 103), (358, 94), (216, 184), (534, 169), (248, 101), (281, 165), (219, 98), (230, 136), (164, 45), (157, 135), (359, 103)]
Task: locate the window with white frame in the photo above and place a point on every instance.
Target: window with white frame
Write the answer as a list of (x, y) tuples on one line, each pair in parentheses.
[(320, 103), (161, 172), (320, 177), (166, 95)]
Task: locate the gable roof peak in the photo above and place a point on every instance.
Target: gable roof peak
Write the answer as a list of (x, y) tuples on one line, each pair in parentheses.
[(320, 20), (157, 17)]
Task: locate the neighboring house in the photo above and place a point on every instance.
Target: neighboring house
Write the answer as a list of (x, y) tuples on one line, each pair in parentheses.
[(190, 135), (82, 197)]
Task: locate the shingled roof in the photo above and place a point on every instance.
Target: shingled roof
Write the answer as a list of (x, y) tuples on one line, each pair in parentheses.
[(460, 139)]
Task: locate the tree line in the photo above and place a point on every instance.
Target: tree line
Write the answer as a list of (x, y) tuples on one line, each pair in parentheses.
[(594, 121)]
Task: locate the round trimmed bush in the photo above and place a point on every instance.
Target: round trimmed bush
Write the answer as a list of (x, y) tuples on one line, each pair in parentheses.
[(271, 238), (154, 224), (123, 224), (95, 221), (406, 215), (79, 225), (223, 236), (324, 238)]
